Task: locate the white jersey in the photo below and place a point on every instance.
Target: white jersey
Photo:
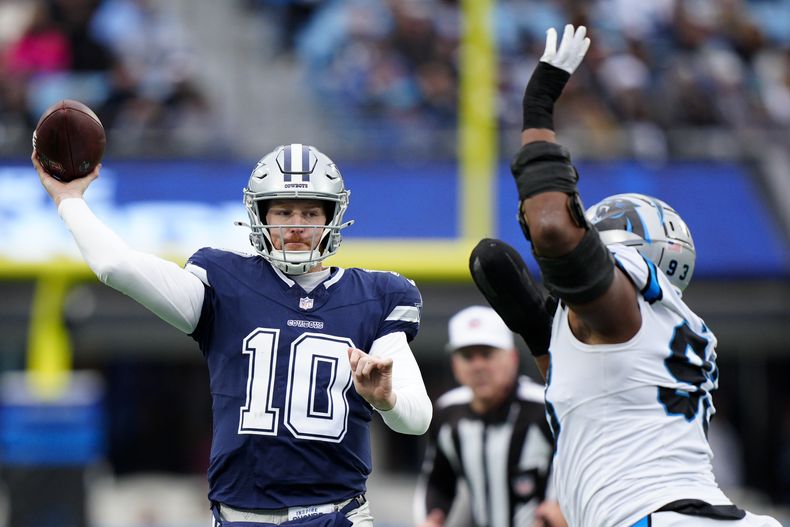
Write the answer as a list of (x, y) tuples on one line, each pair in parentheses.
[(631, 419)]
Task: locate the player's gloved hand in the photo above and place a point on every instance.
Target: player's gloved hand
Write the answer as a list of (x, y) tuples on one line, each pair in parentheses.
[(502, 276), (551, 74), (572, 49)]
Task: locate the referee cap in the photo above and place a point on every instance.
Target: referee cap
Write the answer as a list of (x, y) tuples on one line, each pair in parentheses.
[(478, 326)]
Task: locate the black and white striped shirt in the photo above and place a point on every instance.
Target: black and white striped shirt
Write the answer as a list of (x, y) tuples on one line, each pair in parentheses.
[(503, 456)]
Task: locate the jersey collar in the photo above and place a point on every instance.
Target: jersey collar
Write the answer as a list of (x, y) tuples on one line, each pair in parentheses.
[(334, 277), (335, 274)]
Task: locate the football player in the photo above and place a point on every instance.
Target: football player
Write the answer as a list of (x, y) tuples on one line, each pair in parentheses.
[(299, 355), (630, 368)]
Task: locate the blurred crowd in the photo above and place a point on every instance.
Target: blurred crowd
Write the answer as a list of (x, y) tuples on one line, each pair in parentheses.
[(655, 66), (392, 67), (129, 60)]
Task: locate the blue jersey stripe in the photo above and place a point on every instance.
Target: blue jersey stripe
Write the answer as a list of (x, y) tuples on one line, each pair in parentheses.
[(652, 290)]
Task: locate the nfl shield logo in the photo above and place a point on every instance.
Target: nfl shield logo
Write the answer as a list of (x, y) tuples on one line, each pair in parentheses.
[(306, 303)]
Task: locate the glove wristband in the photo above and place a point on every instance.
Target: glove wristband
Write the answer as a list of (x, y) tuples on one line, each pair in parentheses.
[(544, 88)]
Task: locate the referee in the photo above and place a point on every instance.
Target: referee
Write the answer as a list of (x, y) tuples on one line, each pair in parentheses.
[(491, 433)]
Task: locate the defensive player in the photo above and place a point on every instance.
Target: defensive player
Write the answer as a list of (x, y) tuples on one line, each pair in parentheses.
[(632, 368), (283, 337), (490, 432)]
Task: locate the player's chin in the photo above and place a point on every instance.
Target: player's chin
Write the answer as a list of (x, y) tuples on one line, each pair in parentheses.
[(297, 246)]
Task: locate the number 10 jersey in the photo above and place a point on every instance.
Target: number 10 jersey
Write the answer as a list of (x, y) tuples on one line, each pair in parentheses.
[(288, 427), (630, 420)]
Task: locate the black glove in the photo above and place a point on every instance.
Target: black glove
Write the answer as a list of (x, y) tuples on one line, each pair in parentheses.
[(502, 276), (544, 88)]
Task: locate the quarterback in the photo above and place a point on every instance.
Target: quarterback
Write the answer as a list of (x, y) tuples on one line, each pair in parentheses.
[(630, 368), (299, 355)]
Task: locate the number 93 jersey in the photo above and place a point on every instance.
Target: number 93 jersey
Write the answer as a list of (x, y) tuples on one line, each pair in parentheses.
[(289, 429), (630, 420)]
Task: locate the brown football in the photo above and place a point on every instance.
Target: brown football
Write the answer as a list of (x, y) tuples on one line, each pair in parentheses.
[(69, 140)]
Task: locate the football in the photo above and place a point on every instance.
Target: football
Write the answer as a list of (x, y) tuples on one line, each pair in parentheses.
[(69, 140)]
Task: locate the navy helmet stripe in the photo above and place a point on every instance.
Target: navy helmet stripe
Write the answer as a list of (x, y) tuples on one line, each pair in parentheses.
[(306, 159), (296, 160), (287, 160)]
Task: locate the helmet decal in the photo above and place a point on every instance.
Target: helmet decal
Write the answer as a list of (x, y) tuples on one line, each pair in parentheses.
[(618, 215)]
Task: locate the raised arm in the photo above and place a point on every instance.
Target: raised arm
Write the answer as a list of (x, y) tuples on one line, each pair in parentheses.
[(503, 278), (169, 291), (576, 266)]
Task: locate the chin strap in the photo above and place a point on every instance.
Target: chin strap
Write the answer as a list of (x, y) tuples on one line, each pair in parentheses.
[(293, 266)]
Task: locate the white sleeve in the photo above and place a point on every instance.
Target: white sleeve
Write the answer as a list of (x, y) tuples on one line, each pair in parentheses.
[(172, 293), (413, 410), (632, 263)]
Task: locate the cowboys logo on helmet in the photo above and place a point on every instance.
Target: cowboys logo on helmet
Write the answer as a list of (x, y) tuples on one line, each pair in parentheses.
[(651, 226), (296, 171)]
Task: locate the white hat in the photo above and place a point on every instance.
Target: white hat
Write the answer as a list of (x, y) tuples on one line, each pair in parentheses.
[(478, 326)]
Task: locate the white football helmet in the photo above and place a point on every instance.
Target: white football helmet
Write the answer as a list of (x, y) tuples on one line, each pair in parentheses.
[(651, 226), (296, 171)]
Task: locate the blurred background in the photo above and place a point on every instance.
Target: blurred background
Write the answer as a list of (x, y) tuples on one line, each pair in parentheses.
[(419, 103)]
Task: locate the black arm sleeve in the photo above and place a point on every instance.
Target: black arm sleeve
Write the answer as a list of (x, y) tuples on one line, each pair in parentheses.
[(582, 275)]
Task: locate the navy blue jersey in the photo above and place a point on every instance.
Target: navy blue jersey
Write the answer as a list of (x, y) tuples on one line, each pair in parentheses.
[(289, 427)]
